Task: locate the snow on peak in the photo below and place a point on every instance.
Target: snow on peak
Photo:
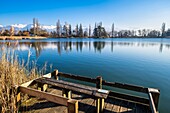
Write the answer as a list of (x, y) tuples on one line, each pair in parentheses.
[(48, 27), (19, 25), (1, 25)]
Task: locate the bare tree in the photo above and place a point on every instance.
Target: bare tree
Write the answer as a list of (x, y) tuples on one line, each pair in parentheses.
[(12, 31), (89, 30), (58, 28), (113, 30), (163, 29)]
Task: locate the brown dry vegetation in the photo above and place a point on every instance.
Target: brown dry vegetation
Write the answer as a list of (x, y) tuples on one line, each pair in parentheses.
[(11, 74)]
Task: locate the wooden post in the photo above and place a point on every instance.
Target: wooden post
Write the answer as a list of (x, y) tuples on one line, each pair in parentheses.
[(99, 105), (42, 87), (39, 87), (155, 95), (72, 106), (99, 101), (66, 93), (45, 86), (55, 74), (99, 82)]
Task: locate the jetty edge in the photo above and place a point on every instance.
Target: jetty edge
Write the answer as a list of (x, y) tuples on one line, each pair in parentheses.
[(103, 98)]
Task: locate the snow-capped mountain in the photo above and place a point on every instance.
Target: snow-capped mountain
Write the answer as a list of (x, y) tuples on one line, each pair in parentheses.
[(23, 27), (50, 27)]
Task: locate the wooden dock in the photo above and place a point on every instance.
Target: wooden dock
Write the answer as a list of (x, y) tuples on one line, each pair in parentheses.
[(53, 93)]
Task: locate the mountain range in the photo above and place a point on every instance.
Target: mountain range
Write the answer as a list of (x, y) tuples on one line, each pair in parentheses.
[(23, 27)]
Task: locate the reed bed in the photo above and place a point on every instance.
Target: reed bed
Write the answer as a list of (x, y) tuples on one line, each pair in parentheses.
[(12, 73)]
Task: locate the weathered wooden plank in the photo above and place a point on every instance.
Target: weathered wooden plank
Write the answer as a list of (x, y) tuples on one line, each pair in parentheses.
[(99, 82), (48, 96), (129, 97), (88, 104), (123, 107), (108, 106), (112, 84), (27, 83), (76, 77), (55, 74), (92, 108), (129, 108), (99, 105), (74, 87), (72, 106), (116, 106), (155, 95), (152, 105), (126, 86), (83, 105), (132, 107)]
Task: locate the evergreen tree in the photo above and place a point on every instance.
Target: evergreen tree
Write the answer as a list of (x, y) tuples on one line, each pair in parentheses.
[(163, 30), (58, 28), (70, 33), (77, 31), (113, 30), (89, 30), (80, 31), (99, 31)]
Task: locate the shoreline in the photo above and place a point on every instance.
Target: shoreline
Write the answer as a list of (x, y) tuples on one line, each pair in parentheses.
[(40, 37), (20, 37)]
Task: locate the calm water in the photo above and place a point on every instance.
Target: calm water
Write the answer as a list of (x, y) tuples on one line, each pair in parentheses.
[(143, 62)]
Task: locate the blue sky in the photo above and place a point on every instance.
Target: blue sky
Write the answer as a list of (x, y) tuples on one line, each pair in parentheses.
[(126, 14)]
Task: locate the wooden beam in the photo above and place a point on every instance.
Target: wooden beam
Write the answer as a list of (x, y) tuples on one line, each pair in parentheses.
[(111, 84), (55, 74), (66, 93), (77, 77), (73, 87), (26, 84), (152, 105), (126, 86), (155, 95), (48, 96), (131, 98), (47, 75), (99, 82), (99, 105), (72, 106)]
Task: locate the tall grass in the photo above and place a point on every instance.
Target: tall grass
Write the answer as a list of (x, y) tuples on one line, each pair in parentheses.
[(12, 73)]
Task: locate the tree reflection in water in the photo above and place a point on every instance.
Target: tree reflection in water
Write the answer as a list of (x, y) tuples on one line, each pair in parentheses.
[(68, 46)]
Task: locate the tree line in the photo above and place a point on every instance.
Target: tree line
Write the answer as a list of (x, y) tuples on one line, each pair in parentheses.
[(98, 31)]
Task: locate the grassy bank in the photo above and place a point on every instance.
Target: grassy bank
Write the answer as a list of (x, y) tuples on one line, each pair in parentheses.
[(11, 74)]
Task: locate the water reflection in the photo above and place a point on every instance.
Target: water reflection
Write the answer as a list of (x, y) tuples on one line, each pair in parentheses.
[(79, 46)]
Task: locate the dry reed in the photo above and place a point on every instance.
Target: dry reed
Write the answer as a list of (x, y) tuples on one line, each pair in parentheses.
[(11, 73)]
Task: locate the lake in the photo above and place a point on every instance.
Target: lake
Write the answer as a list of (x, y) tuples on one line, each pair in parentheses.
[(144, 62)]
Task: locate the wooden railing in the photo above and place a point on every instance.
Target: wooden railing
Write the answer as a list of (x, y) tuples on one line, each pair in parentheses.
[(153, 94), (152, 102)]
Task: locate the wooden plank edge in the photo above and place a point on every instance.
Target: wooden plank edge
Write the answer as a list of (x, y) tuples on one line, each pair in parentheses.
[(48, 96), (130, 98), (152, 105)]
